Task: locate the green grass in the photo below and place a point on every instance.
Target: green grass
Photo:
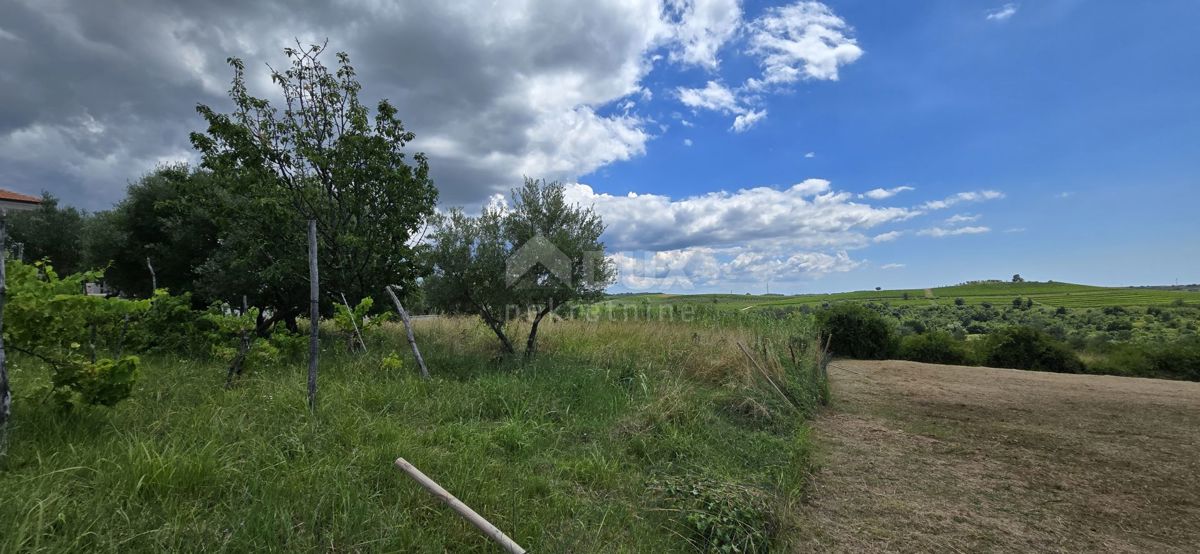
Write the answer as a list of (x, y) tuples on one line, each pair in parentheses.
[(563, 454), (1049, 294)]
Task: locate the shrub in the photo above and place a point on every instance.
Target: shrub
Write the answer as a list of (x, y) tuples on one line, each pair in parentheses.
[(857, 332), (1021, 347), (960, 302), (936, 347)]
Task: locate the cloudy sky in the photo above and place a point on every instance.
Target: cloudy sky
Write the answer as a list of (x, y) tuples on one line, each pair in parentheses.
[(730, 146)]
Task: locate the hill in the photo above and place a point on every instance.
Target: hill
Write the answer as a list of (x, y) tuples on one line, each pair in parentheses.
[(1050, 294)]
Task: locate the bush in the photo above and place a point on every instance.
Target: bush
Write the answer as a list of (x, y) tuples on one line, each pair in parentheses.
[(857, 332), (1028, 348), (936, 347)]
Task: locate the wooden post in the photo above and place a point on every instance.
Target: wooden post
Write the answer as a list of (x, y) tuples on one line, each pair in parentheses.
[(314, 315), (463, 510), (5, 392), (412, 341), (153, 276), (350, 312)]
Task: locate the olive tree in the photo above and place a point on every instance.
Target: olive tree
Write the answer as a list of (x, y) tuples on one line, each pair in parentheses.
[(532, 259)]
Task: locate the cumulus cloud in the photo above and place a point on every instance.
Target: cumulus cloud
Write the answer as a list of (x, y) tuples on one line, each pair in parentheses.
[(687, 142), (810, 154), (880, 194), (703, 27), (799, 232), (747, 120), (714, 96), (939, 232), (493, 93), (805, 40), (1002, 13)]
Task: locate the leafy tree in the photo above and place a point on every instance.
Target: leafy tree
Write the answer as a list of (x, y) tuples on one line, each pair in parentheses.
[(322, 157), (506, 263), (1018, 279), (936, 347), (856, 331), (165, 222), (960, 302), (1021, 347), (51, 232)]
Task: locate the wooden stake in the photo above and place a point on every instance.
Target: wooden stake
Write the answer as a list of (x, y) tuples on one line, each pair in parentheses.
[(764, 374), (412, 341), (153, 277), (350, 312), (463, 510), (314, 315)]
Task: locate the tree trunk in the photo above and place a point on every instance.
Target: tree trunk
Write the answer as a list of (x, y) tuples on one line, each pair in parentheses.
[(412, 341), (153, 277), (5, 392), (314, 315), (531, 344)]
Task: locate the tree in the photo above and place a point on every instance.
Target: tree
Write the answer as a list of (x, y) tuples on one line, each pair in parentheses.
[(1018, 279), (50, 232), (545, 225), (166, 220), (324, 158), (535, 258), (960, 301), (856, 331)]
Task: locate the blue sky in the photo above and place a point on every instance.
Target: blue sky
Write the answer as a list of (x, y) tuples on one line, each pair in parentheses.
[(729, 145), (1085, 115)]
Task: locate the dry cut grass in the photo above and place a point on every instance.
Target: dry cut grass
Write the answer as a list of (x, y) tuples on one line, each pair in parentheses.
[(918, 457)]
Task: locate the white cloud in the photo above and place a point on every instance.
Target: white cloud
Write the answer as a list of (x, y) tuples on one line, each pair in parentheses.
[(970, 196), (703, 27), (714, 96), (880, 193), (892, 266), (1015, 230), (810, 155), (805, 40), (940, 232), (958, 219), (888, 236), (750, 235), (747, 120), (1064, 194), (687, 142), (1002, 13)]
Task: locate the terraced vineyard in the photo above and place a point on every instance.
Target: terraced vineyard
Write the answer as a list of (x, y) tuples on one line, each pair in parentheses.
[(1048, 294)]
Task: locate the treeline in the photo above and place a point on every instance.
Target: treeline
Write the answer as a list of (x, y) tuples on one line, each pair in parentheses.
[(1104, 341)]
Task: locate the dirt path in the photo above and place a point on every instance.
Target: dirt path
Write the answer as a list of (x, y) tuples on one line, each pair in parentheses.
[(919, 457)]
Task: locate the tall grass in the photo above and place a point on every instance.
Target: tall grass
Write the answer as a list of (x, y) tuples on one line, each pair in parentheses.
[(577, 450)]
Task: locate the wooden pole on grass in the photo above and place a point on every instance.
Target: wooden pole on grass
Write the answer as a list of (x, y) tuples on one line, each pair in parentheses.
[(463, 510), (412, 341), (314, 315)]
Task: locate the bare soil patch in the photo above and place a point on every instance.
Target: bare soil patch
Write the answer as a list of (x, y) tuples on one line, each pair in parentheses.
[(920, 457)]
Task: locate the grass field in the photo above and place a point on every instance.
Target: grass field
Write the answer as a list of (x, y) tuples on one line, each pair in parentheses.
[(925, 458), (1048, 294), (620, 437)]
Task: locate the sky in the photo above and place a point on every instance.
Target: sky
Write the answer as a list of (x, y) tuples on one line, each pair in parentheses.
[(788, 147)]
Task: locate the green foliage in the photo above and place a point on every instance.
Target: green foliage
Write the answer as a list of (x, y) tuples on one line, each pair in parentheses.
[(857, 332), (346, 320), (50, 232), (936, 347), (321, 157), (1021, 347), (717, 516), (470, 260), (51, 320), (391, 363)]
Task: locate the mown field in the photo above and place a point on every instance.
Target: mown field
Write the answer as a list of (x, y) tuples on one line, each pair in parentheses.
[(618, 437), (1047, 294)]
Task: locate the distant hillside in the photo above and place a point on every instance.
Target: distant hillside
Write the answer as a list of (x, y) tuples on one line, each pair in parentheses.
[(994, 292)]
